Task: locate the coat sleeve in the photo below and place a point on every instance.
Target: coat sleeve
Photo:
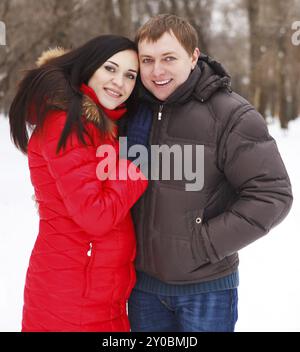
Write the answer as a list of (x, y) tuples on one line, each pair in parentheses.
[(254, 168), (96, 206)]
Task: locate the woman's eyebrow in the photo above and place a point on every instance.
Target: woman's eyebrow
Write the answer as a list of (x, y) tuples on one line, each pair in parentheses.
[(112, 63), (131, 69)]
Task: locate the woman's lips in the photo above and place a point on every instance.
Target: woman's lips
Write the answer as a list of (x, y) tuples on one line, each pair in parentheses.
[(112, 93)]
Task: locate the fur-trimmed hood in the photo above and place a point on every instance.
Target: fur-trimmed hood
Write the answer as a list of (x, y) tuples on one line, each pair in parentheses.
[(89, 108), (50, 54)]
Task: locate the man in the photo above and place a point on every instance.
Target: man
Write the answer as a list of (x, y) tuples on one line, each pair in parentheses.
[(187, 261)]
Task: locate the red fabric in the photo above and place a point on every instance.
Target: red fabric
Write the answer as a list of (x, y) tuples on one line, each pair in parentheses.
[(66, 289), (115, 114)]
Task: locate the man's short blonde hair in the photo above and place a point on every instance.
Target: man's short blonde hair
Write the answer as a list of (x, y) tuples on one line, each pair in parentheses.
[(156, 26)]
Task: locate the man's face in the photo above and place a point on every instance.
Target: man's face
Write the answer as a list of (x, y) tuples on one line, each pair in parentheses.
[(165, 65)]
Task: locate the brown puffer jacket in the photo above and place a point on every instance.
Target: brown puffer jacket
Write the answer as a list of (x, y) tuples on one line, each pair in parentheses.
[(193, 236)]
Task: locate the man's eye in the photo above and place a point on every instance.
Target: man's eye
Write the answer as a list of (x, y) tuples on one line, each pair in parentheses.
[(146, 61), (170, 58), (109, 68)]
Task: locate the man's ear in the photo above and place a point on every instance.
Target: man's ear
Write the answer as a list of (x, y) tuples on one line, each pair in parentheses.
[(195, 57)]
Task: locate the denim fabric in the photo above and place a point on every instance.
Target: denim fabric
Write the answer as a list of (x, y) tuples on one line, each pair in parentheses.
[(207, 312)]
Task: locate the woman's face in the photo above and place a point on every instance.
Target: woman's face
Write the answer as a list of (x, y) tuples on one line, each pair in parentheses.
[(114, 81)]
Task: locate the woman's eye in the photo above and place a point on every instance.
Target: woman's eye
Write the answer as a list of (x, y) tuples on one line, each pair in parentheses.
[(131, 76), (109, 68)]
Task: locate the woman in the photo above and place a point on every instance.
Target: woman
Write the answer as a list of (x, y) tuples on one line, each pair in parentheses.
[(81, 268)]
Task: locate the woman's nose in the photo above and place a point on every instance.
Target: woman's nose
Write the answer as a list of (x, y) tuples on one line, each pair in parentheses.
[(118, 80)]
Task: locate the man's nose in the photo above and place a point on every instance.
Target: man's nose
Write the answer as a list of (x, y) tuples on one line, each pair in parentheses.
[(158, 69)]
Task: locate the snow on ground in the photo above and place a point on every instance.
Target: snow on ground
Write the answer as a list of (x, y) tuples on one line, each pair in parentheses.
[(18, 228), (269, 268)]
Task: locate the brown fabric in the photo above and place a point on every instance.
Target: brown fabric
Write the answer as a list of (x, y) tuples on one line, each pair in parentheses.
[(188, 237)]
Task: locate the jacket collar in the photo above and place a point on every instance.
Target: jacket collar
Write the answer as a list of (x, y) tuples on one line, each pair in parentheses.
[(114, 115)]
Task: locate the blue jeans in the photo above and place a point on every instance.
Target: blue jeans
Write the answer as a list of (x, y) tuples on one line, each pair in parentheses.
[(211, 311)]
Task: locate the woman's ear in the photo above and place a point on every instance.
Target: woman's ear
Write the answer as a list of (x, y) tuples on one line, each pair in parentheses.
[(195, 57)]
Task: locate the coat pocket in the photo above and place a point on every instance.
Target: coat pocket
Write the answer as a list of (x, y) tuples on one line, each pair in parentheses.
[(195, 222), (171, 210), (175, 257)]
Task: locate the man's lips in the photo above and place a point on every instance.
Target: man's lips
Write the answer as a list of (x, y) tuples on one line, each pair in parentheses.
[(162, 83)]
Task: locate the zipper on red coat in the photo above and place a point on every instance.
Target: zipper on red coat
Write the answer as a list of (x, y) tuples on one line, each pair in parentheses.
[(86, 271), (89, 252), (146, 196)]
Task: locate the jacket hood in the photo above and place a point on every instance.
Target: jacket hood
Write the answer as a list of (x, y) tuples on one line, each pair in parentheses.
[(207, 77), (213, 77), (89, 108), (50, 54)]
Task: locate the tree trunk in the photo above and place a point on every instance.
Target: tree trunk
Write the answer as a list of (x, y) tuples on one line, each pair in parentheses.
[(125, 19), (255, 54)]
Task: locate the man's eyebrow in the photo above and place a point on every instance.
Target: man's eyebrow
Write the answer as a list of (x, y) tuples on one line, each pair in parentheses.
[(169, 53), (164, 54)]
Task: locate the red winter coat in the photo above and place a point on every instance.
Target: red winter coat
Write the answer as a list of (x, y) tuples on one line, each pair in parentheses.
[(81, 268)]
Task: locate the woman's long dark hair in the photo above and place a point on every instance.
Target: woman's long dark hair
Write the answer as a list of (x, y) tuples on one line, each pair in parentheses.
[(61, 78)]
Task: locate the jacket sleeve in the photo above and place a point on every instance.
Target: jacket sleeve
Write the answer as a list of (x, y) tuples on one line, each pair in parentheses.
[(96, 206), (254, 168)]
